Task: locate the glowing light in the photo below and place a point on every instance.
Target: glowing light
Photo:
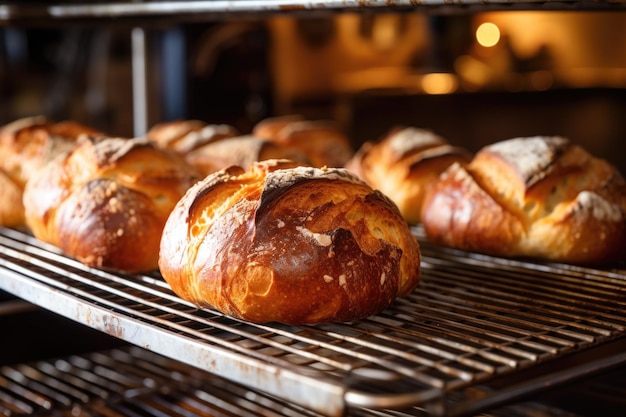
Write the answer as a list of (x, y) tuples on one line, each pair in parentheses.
[(472, 70), (488, 34), (439, 83)]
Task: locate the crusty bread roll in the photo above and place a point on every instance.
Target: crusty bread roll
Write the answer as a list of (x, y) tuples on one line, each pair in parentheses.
[(209, 148), (106, 201), (323, 143), (26, 145), (288, 244), (182, 136), (11, 207), (541, 197), (242, 151), (404, 164)]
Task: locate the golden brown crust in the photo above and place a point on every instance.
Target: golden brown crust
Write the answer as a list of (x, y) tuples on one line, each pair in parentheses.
[(26, 145), (540, 197), (183, 136), (241, 151), (11, 207), (270, 127), (106, 201), (404, 164), (323, 143), (288, 244)]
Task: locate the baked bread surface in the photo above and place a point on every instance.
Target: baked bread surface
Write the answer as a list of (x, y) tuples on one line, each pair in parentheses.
[(106, 201), (321, 141), (183, 136), (540, 197), (241, 151), (26, 145), (290, 244), (404, 165)]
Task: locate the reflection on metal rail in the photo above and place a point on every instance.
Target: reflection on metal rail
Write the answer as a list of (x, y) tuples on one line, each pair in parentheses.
[(16, 10)]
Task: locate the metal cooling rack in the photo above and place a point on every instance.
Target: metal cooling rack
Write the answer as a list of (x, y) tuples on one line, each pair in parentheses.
[(473, 320)]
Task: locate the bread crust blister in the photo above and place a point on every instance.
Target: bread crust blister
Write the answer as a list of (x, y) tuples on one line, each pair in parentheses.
[(290, 244)]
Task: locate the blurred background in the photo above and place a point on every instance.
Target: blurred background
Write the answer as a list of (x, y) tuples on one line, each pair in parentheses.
[(474, 78)]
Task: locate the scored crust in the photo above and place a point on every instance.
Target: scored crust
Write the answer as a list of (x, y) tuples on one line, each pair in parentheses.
[(541, 197), (26, 146), (106, 201), (404, 165), (322, 142), (289, 244)]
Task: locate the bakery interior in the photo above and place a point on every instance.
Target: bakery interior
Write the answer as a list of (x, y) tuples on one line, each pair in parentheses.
[(473, 73)]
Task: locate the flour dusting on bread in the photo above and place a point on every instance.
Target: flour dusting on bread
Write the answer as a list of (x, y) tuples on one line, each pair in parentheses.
[(530, 156)]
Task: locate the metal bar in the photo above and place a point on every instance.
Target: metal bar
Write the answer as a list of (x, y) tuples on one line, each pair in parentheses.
[(42, 13), (139, 82), (540, 383), (230, 6)]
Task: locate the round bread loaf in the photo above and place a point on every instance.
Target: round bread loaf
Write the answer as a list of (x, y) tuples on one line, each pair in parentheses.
[(540, 197), (404, 164), (323, 143), (26, 145), (106, 201), (289, 244)]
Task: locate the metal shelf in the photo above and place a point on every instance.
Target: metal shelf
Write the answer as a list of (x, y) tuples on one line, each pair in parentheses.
[(131, 381), (472, 320), (194, 9)]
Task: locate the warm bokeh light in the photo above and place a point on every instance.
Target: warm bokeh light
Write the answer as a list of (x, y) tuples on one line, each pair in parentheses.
[(472, 70), (439, 83), (488, 34)]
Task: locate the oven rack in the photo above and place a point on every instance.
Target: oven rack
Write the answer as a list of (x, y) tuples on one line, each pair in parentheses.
[(131, 381), (473, 320)]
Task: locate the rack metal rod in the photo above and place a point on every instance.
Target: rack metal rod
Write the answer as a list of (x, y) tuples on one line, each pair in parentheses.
[(15, 10), (139, 82)]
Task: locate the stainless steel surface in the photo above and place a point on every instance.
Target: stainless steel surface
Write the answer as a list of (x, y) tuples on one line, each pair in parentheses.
[(139, 81), (14, 10), (472, 320)]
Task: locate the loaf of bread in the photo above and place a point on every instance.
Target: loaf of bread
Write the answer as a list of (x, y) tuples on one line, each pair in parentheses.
[(11, 207), (296, 245), (404, 164), (538, 197), (183, 136), (26, 145), (209, 148), (323, 143), (106, 201), (242, 151)]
